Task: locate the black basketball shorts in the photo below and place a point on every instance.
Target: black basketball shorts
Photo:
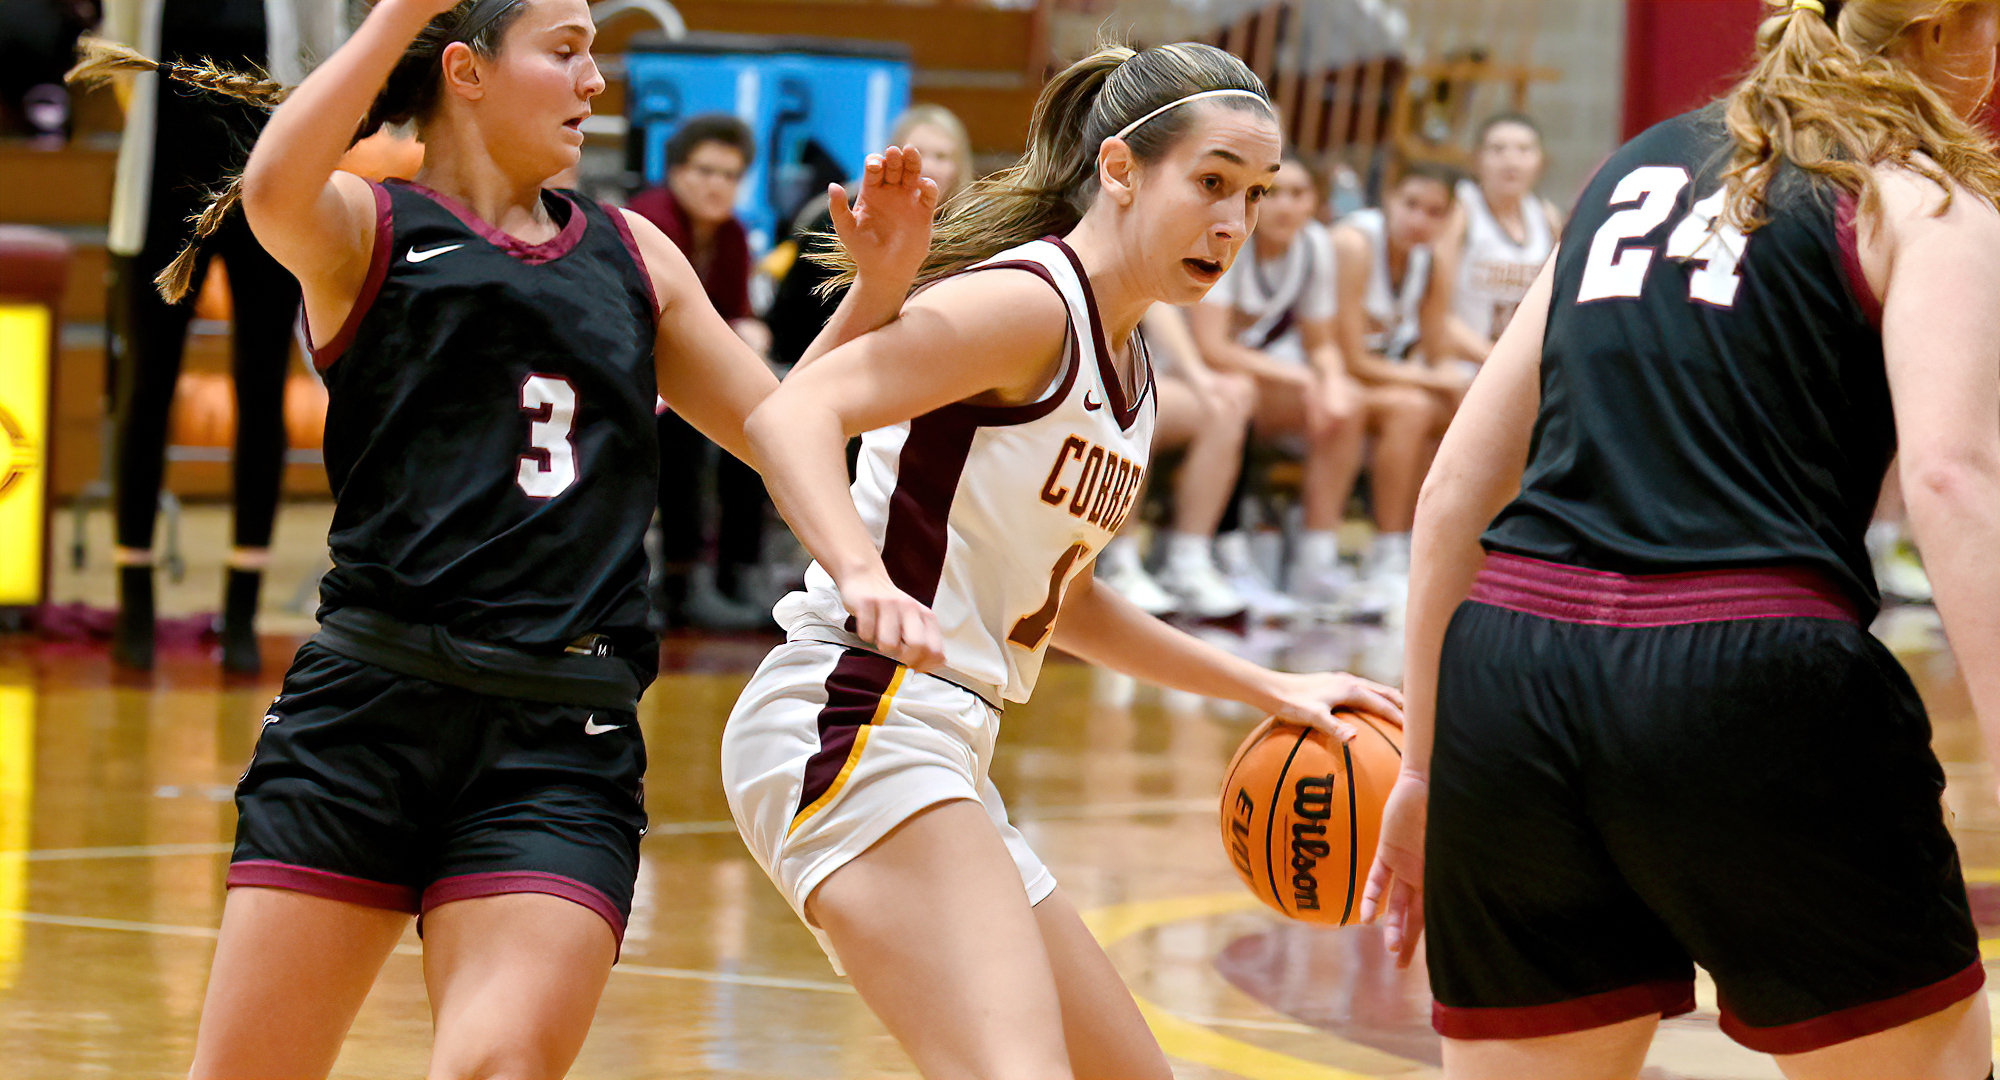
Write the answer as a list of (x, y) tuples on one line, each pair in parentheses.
[(1633, 775), (397, 792)]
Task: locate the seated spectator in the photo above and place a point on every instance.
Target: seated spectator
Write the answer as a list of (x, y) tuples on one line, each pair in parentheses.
[(696, 208), (1499, 235), (1205, 411), (1392, 325), (1271, 319)]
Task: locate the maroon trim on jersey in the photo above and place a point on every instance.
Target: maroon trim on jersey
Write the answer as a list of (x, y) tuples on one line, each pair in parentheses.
[(533, 254), (325, 884), (1006, 415), (508, 882), (1844, 227), (1602, 598), (378, 272), (928, 470), (638, 258), (854, 690), (1668, 997), (1823, 1031), (1107, 373)]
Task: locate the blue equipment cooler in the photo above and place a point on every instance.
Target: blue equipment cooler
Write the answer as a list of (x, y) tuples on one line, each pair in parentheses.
[(818, 107)]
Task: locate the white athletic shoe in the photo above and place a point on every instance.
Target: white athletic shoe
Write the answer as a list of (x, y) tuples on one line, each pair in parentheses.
[(1201, 589), (1119, 570), (1901, 576), (1239, 568)]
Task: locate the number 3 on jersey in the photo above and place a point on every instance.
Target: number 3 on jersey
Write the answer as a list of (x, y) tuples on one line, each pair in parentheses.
[(1614, 270), (549, 467)]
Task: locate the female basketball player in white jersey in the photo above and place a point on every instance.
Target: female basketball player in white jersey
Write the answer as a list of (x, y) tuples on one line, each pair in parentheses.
[(1272, 317), (1499, 235), (1007, 416), (492, 352)]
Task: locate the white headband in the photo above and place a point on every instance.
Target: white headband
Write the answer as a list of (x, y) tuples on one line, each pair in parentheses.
[(1134, 125)]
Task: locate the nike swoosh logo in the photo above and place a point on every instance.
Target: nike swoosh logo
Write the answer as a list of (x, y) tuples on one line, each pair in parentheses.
[(592, 727), (1089, 405), (416, 256)]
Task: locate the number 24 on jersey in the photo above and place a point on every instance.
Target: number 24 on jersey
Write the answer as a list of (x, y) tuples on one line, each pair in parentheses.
[(1616, 268)]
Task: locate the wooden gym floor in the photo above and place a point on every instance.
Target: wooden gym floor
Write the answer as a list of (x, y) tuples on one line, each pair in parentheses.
[(115, 820)]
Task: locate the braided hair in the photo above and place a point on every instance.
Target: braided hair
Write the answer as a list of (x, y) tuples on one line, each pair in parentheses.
[(409, 95)]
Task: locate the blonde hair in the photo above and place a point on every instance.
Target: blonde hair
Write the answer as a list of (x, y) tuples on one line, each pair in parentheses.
[(944, 120), (409, 93), (1050, 188), (1824, 95)]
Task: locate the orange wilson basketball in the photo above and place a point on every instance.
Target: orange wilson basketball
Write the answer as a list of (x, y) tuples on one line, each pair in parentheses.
[(1301, 814)]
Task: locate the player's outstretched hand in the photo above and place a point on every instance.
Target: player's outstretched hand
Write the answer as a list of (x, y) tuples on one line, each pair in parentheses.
[(1312, 700), (893, 621), (1395, 889), (888, 231)]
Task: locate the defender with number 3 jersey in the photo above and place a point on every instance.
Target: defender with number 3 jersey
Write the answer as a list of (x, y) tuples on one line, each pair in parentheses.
[(490, 445), (500, 486)]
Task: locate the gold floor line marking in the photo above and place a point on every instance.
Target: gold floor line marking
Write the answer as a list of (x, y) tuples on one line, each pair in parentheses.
[(1186, 1039)]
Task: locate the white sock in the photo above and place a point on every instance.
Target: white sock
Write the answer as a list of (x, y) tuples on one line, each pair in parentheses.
[(1188, 551), (1883, 538), (1120, 554), (1319, 551), (1392, 552), (1232, 551)]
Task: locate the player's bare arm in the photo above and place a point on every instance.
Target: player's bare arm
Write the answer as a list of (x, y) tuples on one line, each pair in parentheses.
[(706, 371), (1004, 332), (319, 223), (1477, 470), (1937, 275)]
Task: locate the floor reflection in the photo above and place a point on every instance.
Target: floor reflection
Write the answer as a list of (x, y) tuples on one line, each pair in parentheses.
[(115, 817)]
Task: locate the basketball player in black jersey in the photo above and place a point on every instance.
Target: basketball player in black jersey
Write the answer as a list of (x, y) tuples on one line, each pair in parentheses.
[(460, 739), (1654, 728)]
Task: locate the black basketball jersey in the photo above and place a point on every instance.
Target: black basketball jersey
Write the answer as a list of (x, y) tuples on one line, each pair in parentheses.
[(489, 436), (1709, 399)]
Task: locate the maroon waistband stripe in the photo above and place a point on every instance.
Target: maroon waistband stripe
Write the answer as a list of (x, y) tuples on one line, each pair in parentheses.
[(1602, 598)]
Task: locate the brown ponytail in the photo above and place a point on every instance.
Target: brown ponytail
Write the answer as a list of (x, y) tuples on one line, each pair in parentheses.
[(1050, 188), (408, 95), (1824, 96)]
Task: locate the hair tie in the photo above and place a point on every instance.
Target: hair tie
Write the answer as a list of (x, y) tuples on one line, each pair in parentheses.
[(1809, 5), (1176, 103)]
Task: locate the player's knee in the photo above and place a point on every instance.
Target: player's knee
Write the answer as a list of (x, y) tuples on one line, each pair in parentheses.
[(1406, 407)]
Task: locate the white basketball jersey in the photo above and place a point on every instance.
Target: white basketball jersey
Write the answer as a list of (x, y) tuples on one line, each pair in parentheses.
[(1393, 311), (987, 513), (1274, 296), (1495, 273)]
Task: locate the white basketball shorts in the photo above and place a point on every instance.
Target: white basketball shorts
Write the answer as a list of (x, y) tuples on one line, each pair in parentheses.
[(831, 747)]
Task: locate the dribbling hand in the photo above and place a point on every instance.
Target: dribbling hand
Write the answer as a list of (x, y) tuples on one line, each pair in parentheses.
[(888, 232), (1395, 889), (893, 621), (1312, 699)]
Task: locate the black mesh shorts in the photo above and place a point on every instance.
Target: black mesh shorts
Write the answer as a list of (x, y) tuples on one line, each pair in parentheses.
[(397, 792), (1615, 798)]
